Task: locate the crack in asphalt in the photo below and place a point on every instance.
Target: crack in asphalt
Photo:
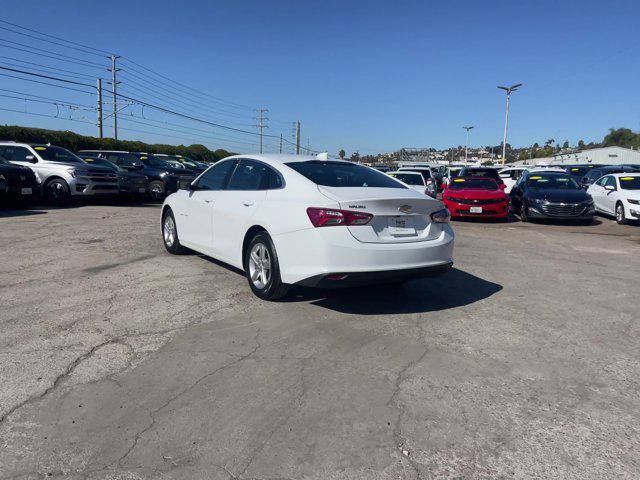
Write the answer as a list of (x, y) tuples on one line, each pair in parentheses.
[(153, 413), (398, 438), (67, 371)]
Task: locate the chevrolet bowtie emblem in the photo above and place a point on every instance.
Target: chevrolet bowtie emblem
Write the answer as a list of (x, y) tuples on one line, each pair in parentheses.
[(405, 208)]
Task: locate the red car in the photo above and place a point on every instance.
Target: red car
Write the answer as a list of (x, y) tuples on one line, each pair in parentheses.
[(476, 197)]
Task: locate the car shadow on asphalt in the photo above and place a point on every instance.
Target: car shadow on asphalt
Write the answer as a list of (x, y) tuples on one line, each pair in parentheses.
[(456, 288)]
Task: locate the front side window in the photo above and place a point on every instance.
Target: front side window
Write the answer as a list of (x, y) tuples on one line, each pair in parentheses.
[(602, 181), (16, 154), (216, 177), (611, 182), (342, 174)]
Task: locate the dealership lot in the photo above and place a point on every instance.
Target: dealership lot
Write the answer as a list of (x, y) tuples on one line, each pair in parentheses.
[(118, 360)]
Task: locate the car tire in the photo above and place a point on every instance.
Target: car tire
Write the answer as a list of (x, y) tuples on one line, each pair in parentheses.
[(524, 217), (57, 191), (170, 234), (621, 218), (262, 268), (157, 190)]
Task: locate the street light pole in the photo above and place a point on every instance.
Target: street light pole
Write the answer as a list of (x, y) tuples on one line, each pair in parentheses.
[(466, 147), (509, 90)]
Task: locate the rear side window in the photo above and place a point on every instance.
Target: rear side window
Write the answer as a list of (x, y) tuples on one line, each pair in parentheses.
[(343, 174), (251, 175), (216, 177)]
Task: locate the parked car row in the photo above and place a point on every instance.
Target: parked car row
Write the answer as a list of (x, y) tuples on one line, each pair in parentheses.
[(28, 171), (542, 192)]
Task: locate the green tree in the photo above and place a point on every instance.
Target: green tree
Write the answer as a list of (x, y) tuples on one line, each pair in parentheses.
[(355, 157), (622, 137), (342, 154), (565, 144)]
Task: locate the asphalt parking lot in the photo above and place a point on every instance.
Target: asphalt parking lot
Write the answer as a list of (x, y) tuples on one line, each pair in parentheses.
[(120, 361)]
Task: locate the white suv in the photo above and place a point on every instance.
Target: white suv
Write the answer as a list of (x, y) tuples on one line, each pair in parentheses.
[(61, 173)]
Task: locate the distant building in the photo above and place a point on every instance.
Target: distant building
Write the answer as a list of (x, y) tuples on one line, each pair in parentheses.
[(598, 156)]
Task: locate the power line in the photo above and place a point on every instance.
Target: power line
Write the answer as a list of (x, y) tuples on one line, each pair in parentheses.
[(57, 38), (51, 41), (45, 115), (49, 56), (88, 62), (45, 83), (217, 99), (49, 67)]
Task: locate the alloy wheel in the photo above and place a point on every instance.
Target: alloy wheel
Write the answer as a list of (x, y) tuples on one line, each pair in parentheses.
[(169, 231), (260, 265)]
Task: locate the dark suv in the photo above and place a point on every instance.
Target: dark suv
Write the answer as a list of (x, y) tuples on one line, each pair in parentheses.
[(131, 183), (163, 178), (17, 182)]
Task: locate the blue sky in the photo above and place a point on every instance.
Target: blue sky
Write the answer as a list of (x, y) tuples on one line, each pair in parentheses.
[(368, 76)]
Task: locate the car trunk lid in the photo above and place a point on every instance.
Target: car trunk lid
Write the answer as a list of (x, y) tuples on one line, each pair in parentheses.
[(399, 216)]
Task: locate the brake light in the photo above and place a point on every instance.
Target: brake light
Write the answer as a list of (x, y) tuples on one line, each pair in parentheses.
[(441, 216), (330, 217)]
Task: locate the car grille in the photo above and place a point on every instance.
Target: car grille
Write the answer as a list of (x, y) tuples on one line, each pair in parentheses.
[(564, 209), (488, 201), (105, 187), (103, 177)]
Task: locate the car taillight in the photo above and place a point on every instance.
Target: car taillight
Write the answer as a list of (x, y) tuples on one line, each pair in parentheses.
[(330, 217), (441, 216)]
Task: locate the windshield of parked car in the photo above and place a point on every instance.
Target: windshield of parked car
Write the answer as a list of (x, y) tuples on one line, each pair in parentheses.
[(155, 161), (473, 182), (476, 172), (426, 173), (408, 178), (550, 182), (101, 162), (577, 171), (343, 174), (57, 154), (630, 183)]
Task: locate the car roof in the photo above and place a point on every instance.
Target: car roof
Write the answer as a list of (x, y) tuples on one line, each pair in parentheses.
[(625, 174), (406, 172), (476, 178), (281, 158)]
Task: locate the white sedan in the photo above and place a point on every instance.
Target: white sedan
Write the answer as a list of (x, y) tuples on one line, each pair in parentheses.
[(617, 194), (416, 181), (286, 219)]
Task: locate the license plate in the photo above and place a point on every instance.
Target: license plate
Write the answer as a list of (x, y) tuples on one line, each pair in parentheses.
[(26, 191), (141, 190), (475, 209), (402, 226)]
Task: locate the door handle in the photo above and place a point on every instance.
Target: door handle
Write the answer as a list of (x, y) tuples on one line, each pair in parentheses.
[(247, 203), (208, 201)]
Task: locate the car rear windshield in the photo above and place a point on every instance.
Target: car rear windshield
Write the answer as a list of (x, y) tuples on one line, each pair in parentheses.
[(470, 182), (57, 154), (343, 174), (473, 172), (577, 171), (426, 173), (408, 178), (630, 183), (549, 182)]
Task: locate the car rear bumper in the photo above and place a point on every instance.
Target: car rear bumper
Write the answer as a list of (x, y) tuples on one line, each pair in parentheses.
[(490, 210), (312, 254), (354, 279)]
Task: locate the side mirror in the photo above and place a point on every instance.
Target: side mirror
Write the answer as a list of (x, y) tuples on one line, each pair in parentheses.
[(444, 185), (611, 188), (185, 185), (503, 186), (31, 159)]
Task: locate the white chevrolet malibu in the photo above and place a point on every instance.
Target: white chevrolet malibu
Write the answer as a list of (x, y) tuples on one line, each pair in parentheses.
[(293, 220)]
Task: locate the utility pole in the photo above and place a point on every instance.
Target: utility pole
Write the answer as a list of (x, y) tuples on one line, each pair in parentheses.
[(113, 91), (298, 138), (280, 143), (466, 147), (100, 108), (261, 122), (509, 90)]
